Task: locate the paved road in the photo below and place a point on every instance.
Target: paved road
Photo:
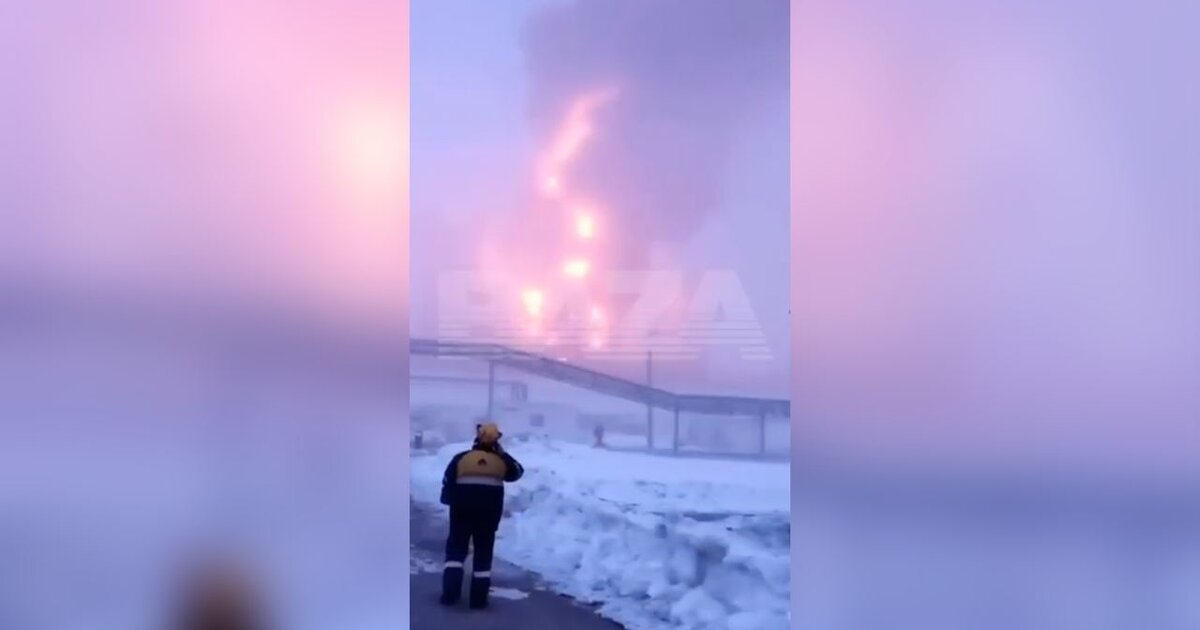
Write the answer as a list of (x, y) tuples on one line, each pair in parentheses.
[(518, 599)]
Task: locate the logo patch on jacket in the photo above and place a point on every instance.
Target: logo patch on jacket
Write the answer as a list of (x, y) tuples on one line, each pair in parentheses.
[(482, 463)]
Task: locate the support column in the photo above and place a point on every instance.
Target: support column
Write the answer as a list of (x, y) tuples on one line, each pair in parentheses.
[(649, 403), (491, 389), (762, 433), (675, 443)]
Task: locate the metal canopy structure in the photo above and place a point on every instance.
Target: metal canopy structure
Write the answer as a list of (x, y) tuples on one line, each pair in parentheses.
[(600, 382)]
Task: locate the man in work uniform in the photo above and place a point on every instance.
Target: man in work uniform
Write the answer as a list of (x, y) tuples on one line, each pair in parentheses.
[(473, 487)]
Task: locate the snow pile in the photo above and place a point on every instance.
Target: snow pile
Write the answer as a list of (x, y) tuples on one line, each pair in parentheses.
[(657, 542)]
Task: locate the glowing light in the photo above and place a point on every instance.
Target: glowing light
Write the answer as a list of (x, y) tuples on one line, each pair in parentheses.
[(596, 342), (533, 299), (573, 133), (371, 148), (597, 315), (552, 185), (585, 227), (577, 268)]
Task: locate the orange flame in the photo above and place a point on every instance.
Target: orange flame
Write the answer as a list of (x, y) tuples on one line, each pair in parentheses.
[(533, 299), (577, 268), (575, 131), (585, 226)]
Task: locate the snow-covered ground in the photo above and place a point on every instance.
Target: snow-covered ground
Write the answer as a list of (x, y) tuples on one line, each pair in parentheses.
[(659, 543)]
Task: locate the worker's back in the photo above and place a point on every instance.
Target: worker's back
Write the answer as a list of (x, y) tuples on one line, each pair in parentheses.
[(473, 487), (482, 465), (475, 481)]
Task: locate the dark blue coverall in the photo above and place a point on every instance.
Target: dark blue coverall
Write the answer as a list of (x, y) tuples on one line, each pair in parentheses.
[(473, 487)]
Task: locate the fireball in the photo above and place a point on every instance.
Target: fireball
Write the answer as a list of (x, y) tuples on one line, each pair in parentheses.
[(577, 268), (532, 299), (585, 226)]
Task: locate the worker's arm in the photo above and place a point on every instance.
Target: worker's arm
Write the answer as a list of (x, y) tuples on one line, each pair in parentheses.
[(450, 479), (512, 468)]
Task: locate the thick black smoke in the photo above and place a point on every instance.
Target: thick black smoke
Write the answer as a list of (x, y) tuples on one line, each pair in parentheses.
[(690, 74)]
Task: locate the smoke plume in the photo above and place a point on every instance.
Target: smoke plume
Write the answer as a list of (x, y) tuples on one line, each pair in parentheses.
[(689, 75)]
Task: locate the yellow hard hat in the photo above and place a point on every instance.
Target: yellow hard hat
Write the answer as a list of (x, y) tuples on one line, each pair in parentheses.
[(488, 433)]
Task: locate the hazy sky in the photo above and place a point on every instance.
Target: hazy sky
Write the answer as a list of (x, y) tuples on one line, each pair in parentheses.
[(691, 159)]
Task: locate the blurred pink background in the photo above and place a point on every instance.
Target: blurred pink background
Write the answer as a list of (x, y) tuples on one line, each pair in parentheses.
[(210, 150), (203, 294), (995, 247), (996, 315)]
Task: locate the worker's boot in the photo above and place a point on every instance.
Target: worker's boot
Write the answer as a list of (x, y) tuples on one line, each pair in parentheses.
[(452, 583), (481, 583)]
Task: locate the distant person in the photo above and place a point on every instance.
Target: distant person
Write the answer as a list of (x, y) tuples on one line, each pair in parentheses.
[(599, 434), (473, 487)]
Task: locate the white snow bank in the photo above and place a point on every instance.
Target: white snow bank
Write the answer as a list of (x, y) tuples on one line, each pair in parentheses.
[(660, 543)]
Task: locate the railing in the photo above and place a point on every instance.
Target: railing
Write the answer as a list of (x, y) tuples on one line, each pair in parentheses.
[(600, 382), (519, 391)]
